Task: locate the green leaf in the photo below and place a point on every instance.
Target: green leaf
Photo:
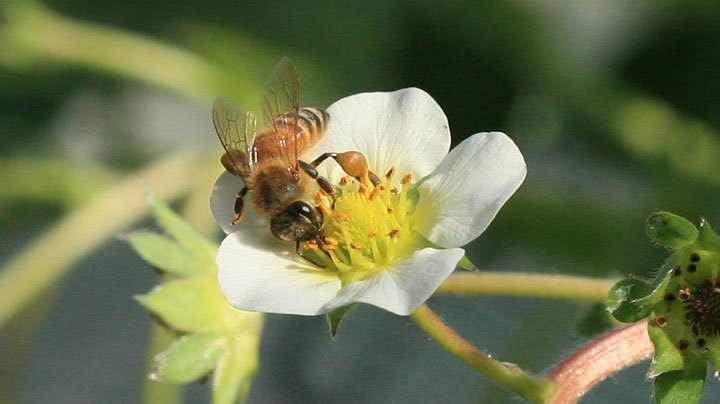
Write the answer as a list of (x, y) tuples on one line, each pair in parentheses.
[(181, 231), (671, 230), (166, 254), (596, 321), (667, 357), (187, 304), (624, 300), (335, 317), (681, 386), (190, 357), (233, 377), (465, 263)]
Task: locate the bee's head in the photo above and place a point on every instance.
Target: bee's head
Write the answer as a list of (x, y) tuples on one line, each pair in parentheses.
[(299, 222)]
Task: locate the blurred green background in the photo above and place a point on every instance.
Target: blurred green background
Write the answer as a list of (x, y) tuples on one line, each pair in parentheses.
[(613, 103)]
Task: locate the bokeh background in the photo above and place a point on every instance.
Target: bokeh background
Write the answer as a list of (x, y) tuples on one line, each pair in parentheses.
[(615, 105)]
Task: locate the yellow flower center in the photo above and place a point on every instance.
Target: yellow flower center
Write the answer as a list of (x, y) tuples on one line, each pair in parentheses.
[(367, 227)]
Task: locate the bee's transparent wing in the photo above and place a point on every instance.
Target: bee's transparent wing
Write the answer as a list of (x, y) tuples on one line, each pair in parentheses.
[(280, 104), (236, 130)]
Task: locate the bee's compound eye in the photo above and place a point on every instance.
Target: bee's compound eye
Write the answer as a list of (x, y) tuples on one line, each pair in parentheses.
[(300, 222)]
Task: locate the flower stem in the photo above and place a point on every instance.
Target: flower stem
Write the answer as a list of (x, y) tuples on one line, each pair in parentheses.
[(50, 256), (532, 388), (527, 284), (35, 32), (156, 392), (598, 359)]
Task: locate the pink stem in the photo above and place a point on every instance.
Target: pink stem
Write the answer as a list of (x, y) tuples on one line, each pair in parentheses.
[(598, 359)]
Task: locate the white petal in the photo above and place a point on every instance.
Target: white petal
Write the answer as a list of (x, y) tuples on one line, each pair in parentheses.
[(406, 129), (405, 286), (258, 273), (222, 203), (462, 196)]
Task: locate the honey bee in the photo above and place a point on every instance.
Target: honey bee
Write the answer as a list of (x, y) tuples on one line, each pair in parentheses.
[(278, 182)]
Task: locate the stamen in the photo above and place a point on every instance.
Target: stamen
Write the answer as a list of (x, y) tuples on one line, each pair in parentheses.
[(406, 179), (364, 191), (310, 245), (375, 192)]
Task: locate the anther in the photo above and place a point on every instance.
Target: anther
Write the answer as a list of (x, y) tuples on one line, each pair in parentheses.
[(327, 247), (332, 240), (394, 191), (372, 234), (394, 233), (375, 192), (390, 209), (391, 173), (341, 217), (406, 179), (311, 245), (355, 245), (344, 180), (660, 321)]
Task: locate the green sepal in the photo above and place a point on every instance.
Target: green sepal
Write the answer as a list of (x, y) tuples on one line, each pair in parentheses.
[(596, 321), (671, 230), (181, 231), (166, 254), (186, 304), (465, 263), (190, 358), (707, 239), (681, 386), (625, 300), (335, 317), (667, 356), (233, 377)]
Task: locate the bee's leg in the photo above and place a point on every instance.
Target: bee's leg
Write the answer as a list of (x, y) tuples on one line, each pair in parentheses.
[(299, 252), (322, 182), (239, 206), (352, 162)]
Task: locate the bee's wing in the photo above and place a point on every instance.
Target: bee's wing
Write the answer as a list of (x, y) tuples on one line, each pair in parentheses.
[(236, 130), (280, 105)]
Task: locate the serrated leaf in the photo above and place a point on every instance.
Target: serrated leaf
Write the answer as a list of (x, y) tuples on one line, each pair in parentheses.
[(233, 376), (667, 357), (166, 254), (596, 321), (681, 386), (465, 263), (182, 231), (190, 357), (335, 317), (624, 300), (187, 304)]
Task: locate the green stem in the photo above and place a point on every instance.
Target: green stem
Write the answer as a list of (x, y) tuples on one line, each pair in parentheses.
[(155, 392), (532, 388), (527, 284), (51, 255), (33, 31)]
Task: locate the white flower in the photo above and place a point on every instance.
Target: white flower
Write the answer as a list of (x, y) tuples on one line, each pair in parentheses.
[(457, 196)]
